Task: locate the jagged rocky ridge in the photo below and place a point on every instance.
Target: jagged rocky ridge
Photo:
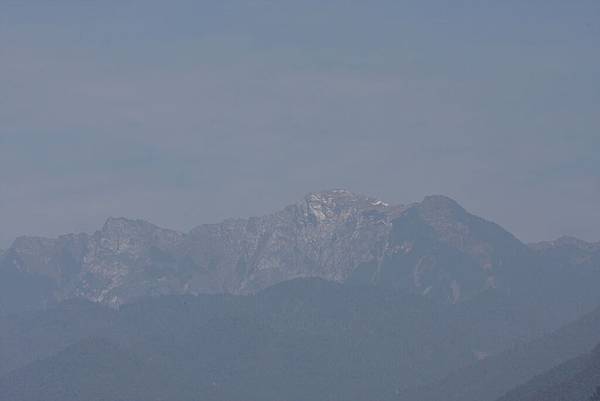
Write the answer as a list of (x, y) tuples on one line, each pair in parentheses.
[(434, 248)]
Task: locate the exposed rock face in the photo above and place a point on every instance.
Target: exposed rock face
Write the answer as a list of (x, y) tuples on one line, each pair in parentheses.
[(434, 248), (326, 235)]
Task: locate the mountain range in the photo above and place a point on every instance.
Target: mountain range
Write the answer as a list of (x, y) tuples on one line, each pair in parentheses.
[(434, 248), (338, 296)]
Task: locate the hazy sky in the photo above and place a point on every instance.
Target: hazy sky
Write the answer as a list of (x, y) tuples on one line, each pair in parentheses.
[(185, 112)]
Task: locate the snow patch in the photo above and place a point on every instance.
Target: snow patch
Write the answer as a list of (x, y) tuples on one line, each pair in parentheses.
[(380, 203)]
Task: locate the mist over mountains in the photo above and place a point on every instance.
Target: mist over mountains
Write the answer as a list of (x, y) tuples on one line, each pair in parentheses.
[(434, 248), (338, 296)]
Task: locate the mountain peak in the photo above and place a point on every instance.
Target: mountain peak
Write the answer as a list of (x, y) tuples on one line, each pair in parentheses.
[(566, 242), (440, 209), (575, 242), (343, 198), (122, 225), (335, 194), (336, 202), (441, 202), (114, 222)]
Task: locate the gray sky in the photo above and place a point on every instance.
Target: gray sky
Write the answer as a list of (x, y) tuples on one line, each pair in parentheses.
[(185, 112)]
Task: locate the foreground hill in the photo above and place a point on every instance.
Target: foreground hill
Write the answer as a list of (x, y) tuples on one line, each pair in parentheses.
[(93, 369), (302, 339), (576, 379), (491, 378)]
